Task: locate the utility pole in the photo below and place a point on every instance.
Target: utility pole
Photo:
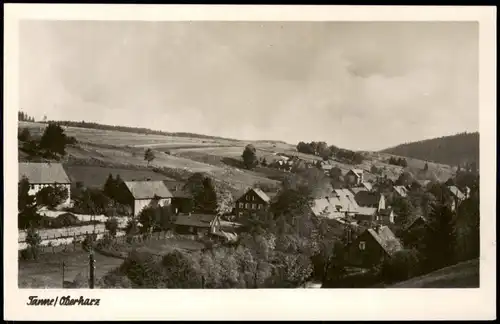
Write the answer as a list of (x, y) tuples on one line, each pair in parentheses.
[(63, 266), (91, 269)]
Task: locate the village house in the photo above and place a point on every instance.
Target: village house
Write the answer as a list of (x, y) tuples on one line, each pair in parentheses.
[(42, 175), (370, 199), (401, 191), (182, 199), (329, 209), (365, 186), (372, 247), (355, 190), (365, 215), (339, 205), (254, 200), (354, 177), (148, 193), (197, 224), (386, 216), (457, 196)]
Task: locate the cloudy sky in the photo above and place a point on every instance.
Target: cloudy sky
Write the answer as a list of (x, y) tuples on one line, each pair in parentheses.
[(356, 85)]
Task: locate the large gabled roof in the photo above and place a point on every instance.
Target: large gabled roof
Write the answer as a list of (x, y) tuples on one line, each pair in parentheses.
[(43, 173), (456, 192), (177, 188), (386, 239), (401, 190), (261, 194), (148, 189)]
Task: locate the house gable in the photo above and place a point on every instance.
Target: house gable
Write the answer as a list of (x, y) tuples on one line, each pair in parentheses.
[(251, 197)]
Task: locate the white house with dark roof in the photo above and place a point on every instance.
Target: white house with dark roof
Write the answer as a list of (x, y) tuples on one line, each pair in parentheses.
[(41, 175), (147, 193), (457, 195), (401, 191), (355, 176)]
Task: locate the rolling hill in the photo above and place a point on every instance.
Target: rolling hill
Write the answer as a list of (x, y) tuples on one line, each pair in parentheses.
[(106, 149), (453, 150), (461, 275)]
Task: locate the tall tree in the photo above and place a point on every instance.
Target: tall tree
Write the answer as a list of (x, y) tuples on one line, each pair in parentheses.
[(440, 237), (53, 140), (250, 156), (27, 210), (203, 191), (149, 155), (24, 135), (109, 188)]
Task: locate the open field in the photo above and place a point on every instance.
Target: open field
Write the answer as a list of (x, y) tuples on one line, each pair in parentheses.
[(217, 158), (461, 275), (90, 154), (112, 137), (46, 272)]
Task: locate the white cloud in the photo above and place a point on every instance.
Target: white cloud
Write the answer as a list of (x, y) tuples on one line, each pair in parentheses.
[(357, 85)]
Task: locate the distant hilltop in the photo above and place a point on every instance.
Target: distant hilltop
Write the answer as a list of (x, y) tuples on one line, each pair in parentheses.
[(138, 130), (459, 149)]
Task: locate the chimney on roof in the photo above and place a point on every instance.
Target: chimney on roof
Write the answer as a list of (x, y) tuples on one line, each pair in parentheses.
[(377, 228)]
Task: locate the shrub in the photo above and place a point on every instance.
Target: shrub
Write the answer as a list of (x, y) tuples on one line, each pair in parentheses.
[(65, 220), (27, 254), (89, 241), (401, 266), (112, 226), (51, 196), (33, 240), (115, 279), (106, 242)]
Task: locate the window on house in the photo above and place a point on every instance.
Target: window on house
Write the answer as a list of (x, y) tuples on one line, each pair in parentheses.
[(259, 206), (253, 206), (240, 214), (247, 205), (242, 205), (362, 245)]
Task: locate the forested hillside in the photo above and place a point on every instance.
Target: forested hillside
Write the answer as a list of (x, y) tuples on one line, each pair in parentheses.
[(459, 149)]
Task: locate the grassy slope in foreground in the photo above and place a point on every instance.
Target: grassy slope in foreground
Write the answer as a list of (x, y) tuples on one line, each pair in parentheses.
[(461, 275)]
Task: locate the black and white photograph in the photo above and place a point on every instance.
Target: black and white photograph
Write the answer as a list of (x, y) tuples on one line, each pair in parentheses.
[(247, 154)]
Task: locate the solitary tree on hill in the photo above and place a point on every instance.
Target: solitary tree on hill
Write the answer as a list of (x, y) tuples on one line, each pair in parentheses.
[(149, 155), (250, 156), (54, 139)]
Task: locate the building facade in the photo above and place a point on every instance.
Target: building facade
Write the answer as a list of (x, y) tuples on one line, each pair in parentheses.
[(373, 246), (148, 193), (251, 202), (42, 175), (355, 177)]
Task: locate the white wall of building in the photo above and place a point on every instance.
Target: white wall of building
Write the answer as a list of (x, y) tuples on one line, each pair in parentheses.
[(139, 204)]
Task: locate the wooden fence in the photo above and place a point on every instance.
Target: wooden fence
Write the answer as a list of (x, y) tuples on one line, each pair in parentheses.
[(67, 238)]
